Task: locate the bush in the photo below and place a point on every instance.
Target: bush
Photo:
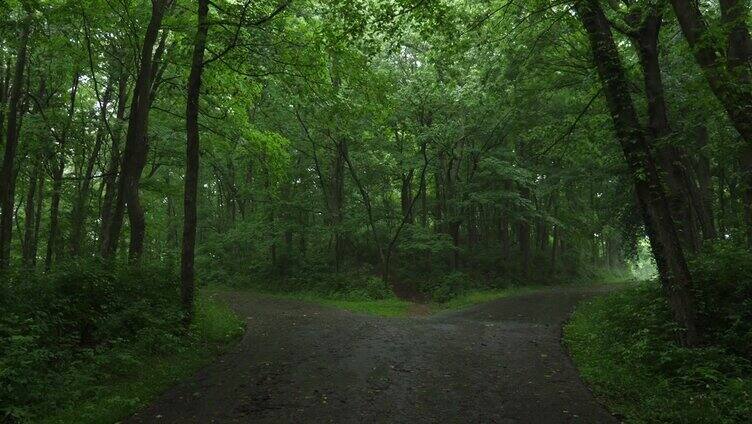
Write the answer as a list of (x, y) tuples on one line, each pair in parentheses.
[(723, 292), (83, 314), (449, 286), (625, 346), (370, 288)]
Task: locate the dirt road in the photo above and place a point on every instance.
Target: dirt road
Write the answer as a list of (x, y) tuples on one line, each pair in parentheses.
[(499, 362)]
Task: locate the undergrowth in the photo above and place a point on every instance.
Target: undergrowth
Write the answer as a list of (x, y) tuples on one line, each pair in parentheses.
[(91, 344), (625, 346)]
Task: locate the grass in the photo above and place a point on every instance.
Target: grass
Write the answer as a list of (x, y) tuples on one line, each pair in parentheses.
[(471, 298), (394, 307), (388, 307), (625, 348), (391, 307), (106, 391)]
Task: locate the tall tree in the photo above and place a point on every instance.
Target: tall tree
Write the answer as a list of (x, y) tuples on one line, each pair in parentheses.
[(668, 252), (724, 60), (136, 144), (7, 172), (192, 161)]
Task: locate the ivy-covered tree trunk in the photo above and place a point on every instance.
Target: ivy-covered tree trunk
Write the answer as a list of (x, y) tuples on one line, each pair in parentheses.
[(730, 84), (673, 160), (667, 249)]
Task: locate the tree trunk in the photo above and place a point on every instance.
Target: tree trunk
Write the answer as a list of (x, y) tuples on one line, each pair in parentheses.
[(187, 253), (423, 205), (504, 239), (80, 209), (336, 201), (705, 185), (7, 174), (746, 162), (523, 237), (53, 240), (38, 217), (555, 248), (4, 86), (673, 160), (110, 178), (136, 146), (730, 84), (30, 245), (406, 195), (668, 252), (54, 234)]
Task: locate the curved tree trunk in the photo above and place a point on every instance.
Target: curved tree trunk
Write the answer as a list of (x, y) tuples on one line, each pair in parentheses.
[(674, 161), (651, 198), (136, 146)]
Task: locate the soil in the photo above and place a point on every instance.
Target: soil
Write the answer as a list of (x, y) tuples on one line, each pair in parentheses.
[(498, 362)]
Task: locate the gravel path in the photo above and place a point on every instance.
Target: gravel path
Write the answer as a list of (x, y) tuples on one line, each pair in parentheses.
[(499, 362)]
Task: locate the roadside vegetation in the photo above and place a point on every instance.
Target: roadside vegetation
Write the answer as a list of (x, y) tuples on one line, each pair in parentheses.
[(363, 154), (367, 294), (628, 349), (86, 344)]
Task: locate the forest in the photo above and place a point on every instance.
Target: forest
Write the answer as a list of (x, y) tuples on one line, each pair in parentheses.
[(181, 180)]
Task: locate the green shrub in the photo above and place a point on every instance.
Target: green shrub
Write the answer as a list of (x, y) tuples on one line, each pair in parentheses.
[(625, 346), (370, 288), (63, 332), (723, 292), (449, 286)]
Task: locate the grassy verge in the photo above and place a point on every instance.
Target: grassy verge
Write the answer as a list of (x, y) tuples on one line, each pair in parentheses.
[(393, 307), (471, 298), (624, 347), (386, 307), (116, 383)]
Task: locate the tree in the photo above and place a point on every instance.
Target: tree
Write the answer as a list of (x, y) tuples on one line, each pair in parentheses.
[(136, 143), (192, 161), (669, 255), (7, 173)]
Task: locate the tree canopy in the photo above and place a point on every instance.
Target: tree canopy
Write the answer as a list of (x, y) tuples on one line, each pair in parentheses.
[(421, 146)]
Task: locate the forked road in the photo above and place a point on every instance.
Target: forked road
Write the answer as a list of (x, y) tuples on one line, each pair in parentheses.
[(499, 362)]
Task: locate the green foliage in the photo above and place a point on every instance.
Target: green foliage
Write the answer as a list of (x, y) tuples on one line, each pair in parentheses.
[(386, 307), (372, 288), (463, 145), (723, 291), (85, 332), (626, 346), (448, 286), (340, 286)]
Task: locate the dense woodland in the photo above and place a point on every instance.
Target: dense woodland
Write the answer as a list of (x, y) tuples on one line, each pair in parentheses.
[(423, 147)]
